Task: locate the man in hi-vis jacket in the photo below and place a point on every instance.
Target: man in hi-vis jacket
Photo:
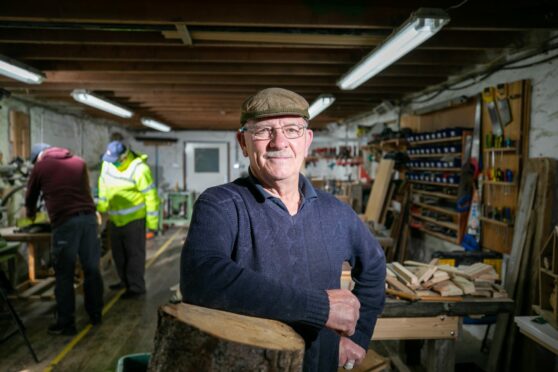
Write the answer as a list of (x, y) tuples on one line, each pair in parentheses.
[(128, 194)]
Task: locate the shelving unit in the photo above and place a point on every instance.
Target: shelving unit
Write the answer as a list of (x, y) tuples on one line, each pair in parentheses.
[(498, 194), (427, 217)]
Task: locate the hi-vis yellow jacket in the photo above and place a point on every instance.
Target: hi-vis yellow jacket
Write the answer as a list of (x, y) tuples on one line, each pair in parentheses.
[(130, 194)]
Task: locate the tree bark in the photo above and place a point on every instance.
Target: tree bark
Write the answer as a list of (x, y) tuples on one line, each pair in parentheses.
[(193, 338)]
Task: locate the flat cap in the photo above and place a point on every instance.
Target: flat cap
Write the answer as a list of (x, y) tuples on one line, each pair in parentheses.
[(273, 102)]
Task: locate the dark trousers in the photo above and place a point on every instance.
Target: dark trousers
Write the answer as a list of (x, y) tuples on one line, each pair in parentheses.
[(77, 236), (128, 250)]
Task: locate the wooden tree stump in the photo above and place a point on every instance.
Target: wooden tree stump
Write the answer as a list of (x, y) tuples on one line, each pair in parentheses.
[(193, 338)]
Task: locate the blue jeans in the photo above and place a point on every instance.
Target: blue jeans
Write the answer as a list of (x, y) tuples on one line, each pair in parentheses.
[(77, 236)]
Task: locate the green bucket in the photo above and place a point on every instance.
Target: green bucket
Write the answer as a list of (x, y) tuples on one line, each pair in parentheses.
[(133, 362)]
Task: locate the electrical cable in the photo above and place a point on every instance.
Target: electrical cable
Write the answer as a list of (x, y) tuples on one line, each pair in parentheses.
[(494, 70), (457, 5)]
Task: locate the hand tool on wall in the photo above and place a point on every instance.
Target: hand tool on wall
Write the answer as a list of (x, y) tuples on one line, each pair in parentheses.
[(499, 175), (503, 104), (488, 98), (508, 176)]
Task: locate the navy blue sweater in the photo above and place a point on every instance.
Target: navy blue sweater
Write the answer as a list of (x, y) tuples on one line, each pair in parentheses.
[(246, 254)]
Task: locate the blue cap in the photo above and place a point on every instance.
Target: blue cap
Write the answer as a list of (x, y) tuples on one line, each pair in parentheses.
[(36, 149), (114, 150)]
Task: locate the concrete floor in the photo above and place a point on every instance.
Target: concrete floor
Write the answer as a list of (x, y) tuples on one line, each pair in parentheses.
[(128, 325)]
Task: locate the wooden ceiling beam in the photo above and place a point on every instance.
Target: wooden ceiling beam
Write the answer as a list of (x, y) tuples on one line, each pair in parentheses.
[(79, 78), (134, 68), (247, 87), (446, 39), (286, 13), (223, 55)]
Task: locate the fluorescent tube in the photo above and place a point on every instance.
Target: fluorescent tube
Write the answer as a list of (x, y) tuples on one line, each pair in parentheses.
[(320, 104), (422, 25), (154, 124), (19, 71), (101, 103)]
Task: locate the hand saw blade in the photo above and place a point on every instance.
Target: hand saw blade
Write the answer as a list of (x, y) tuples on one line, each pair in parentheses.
[(503, 104), (488, 98)]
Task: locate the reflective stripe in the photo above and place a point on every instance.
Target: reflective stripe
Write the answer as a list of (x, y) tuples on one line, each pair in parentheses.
[(152, 186), (132, 173), (118, 177), (153, 213), (127, 210)]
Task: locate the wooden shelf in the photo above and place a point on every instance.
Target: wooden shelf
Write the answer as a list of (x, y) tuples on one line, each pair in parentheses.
[(500, 149), (438, 140), (449, 225), (438, 235), (437, 169), (548, 272), (498, 183), (435, 155), (495, 222), (436, 194), (438, 209), (436, 183), (394, 142)]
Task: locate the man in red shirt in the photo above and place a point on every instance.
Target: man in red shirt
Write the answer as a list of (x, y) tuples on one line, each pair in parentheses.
[(64, 182)]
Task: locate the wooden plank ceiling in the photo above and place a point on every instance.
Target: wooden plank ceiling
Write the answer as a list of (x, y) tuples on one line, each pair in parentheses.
[(190, 64)]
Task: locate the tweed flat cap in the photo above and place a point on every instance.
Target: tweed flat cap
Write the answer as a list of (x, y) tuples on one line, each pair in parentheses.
[(273, 102)]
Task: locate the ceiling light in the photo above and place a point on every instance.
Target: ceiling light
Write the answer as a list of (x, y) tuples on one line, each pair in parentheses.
[(154, 124), (422, 24), (320, 104), (20, 71), (101, 103)]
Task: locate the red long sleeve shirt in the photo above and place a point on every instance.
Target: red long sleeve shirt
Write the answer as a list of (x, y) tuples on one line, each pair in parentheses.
[(64, 182)]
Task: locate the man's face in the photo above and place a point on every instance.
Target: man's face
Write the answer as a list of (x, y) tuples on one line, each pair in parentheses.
[(278, 158)]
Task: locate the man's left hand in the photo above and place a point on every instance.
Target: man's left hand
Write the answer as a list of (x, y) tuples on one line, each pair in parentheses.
[(30, 214), (350, 354)]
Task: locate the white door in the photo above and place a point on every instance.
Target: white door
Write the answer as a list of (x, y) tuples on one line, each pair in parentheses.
[(207, 164)]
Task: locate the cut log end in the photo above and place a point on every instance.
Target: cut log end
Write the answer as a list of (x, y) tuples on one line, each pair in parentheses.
[(193, 338)]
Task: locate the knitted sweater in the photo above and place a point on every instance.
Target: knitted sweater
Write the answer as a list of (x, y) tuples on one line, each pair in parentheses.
[(246, 254)]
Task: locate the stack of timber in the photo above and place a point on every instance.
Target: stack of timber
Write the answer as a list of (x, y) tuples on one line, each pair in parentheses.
[(432, 282)]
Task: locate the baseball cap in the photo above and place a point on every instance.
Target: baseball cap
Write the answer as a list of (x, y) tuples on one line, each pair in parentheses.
[(36, 149), (114, 150), (273, 102)]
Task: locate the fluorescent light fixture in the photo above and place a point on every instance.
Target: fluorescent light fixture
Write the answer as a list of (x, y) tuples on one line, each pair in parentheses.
[(154, 124), (101, 103), (422, 25), (320, 104), (19, 71)]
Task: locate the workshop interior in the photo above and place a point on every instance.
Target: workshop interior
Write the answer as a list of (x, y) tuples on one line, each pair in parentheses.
[(435, 122)]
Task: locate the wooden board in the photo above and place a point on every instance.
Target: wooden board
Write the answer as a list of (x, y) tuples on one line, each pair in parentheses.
[(437, 327), (498, 194), (376, 201)]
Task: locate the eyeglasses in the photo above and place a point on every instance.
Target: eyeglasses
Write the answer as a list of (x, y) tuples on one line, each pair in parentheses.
[(290, 131)]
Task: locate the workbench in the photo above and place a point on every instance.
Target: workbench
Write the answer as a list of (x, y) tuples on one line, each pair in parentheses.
[(34, 242), (439, 323)]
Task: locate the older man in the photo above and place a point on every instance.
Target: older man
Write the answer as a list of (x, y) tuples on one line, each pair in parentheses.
[(270, 245)]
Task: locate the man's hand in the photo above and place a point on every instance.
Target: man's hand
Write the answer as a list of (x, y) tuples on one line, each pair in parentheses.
[(350, 354), (343, 311), (30, 214)]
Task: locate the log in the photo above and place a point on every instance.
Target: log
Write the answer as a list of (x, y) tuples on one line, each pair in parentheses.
[(193, 338)]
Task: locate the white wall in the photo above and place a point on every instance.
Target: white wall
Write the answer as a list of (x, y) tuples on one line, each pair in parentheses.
[(86, 137), (171, 157)]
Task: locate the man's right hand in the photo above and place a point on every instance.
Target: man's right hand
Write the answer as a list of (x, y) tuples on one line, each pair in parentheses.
[(343, 311)]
